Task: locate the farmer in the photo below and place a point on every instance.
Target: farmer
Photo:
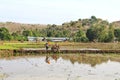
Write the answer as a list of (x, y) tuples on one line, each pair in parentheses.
[(47, 46), (55, 48)]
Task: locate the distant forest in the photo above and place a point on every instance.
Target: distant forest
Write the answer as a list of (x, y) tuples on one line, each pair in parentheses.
[(83, 30)]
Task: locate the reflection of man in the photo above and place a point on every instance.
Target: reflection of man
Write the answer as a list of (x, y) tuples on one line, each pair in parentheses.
[(54, 57), (47, 60)]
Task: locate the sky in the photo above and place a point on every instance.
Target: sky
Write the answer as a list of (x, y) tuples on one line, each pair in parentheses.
[(57, 11)]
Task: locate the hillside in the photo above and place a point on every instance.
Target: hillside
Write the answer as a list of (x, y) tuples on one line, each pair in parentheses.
[(117, 24), (72, 26), (82, 30), (13, 27), (85, 24)]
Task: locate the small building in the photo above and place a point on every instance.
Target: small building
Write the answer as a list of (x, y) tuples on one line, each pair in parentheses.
[(54, 39), (33, 39), (58, 39)]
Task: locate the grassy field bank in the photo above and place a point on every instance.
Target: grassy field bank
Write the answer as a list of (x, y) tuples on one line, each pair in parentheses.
[(65, 45)]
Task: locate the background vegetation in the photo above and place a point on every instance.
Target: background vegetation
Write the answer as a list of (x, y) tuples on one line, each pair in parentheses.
[(82, 30)]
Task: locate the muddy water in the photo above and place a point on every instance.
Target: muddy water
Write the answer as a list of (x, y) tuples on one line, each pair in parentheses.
[(60, 67)]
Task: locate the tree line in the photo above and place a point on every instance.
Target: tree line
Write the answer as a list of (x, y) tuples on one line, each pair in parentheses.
[(83, 30)]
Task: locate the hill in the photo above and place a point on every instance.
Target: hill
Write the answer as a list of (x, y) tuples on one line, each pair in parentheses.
[(82, 30), (13, 27), (85, 24), (117, 24), (72, 26)]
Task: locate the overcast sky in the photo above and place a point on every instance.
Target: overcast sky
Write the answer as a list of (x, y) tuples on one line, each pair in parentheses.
[(57, 11)]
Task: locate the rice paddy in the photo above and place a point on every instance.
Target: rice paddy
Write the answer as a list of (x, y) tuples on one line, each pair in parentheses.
[(60, 67), (66, 45)]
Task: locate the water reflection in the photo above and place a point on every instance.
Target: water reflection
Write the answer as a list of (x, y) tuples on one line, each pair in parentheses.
[(47, 60), (49, 57), (60, 67), (93, 59)]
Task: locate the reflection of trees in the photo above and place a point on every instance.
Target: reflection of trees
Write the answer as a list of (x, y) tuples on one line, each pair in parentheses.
[(115, 59), (92, 59), (85, 59)]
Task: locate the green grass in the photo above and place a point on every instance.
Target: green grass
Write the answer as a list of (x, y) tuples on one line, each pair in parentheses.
[(24, 45), (65, 45), (7, 47)]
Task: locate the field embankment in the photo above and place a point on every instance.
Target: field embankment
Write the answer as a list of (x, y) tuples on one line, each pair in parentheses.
[(65, 47)]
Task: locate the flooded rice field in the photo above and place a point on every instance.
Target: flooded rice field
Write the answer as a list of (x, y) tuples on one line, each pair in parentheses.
[(60, 67)]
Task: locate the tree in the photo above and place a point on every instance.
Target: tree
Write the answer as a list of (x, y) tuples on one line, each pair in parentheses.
[(110, 36), (91, 34), (103, 36), (15, 35), (66, 33), (117, 34), (27, 33), (93, 18), (97, 31), (80, 36), (4, 34), (18, 37)]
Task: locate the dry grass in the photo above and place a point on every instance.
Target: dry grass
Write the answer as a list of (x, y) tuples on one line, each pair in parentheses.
[(73, 45), (13, 27)]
